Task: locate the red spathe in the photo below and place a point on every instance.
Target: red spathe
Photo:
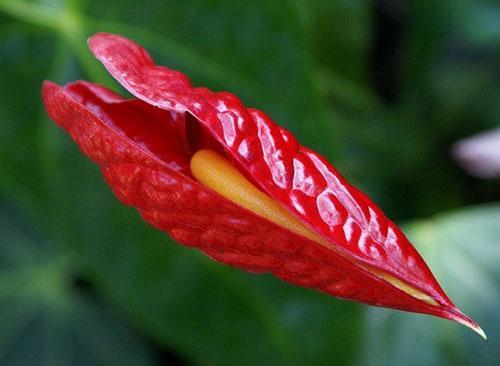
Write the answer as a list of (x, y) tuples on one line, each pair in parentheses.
[(143, 147)]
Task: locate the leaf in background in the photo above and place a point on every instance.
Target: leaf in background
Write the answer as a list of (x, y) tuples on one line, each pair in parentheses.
[(477, 21), (18, 131), (340, 35), (45, 319), (463, 248)]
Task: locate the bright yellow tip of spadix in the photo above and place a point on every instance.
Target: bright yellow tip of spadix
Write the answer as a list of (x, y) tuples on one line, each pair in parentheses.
[(215, 172)]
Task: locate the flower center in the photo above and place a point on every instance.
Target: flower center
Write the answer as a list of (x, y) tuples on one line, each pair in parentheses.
[(215, 172)]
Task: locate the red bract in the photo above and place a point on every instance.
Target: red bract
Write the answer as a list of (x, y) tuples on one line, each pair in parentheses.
[(144, 147)]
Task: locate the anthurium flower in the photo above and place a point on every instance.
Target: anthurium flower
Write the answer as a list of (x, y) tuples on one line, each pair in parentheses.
[(224, 178)]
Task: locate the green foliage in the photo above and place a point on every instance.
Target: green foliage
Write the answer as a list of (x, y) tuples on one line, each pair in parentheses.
[(45, 320), (307, 63)]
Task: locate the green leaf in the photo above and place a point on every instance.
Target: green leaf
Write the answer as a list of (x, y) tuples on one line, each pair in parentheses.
[(478, 21), (45, 319)]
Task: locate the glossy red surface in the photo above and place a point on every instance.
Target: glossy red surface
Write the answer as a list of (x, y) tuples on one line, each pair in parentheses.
[(143, 147)]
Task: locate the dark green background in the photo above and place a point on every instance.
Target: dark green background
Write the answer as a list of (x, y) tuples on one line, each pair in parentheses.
[(383, 89)]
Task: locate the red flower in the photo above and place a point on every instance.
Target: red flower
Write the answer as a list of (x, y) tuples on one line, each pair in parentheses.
[(225, 179)]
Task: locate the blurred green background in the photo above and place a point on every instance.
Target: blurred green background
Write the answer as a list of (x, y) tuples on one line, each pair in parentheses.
[(383, 89)]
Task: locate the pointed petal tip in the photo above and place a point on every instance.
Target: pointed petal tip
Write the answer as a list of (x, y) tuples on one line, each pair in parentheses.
[(456, 315), (472, 325)]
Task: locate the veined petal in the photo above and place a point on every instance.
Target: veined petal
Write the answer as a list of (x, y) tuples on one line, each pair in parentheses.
[(361, 256), (195, 216)]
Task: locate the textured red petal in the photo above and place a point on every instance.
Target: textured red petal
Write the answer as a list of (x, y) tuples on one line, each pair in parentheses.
[(195, 216), (298, 178), (154, 129)]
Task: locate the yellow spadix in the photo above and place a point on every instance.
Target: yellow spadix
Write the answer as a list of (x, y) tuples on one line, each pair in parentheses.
[(215, 172)]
